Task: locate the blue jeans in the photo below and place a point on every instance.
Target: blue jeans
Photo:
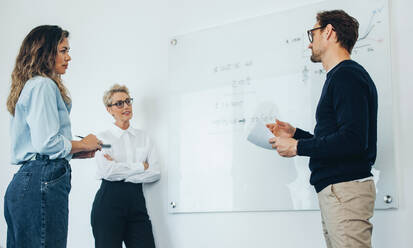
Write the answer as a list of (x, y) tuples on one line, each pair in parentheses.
[(36, 204)]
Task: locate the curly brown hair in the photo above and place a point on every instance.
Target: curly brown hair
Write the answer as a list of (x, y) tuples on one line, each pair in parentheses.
[(37, 57)]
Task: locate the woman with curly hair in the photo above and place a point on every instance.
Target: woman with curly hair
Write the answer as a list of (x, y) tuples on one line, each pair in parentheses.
[(36, 200)]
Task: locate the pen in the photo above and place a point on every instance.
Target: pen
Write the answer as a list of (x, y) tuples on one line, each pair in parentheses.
[(102, 145)]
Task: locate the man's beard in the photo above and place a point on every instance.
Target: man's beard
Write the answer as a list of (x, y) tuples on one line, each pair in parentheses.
[(316, 58)]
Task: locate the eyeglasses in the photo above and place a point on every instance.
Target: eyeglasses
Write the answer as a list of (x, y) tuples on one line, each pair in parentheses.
[(119, 104), (310, 33)]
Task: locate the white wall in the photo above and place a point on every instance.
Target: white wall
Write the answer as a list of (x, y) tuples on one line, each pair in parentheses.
[(127, 42)]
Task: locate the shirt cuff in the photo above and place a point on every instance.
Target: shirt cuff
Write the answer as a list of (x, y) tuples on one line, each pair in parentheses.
[(67, 147), (65, 152)]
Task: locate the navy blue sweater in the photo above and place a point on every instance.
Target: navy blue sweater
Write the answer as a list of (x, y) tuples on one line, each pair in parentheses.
[(343, 147)]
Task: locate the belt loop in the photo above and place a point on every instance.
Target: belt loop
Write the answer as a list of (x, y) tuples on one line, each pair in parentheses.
[(42, 157)]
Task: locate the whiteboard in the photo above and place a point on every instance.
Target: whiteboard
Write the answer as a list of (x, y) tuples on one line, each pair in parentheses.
[(226, 79)]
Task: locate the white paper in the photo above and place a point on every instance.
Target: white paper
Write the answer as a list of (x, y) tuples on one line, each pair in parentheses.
[(260, 135)]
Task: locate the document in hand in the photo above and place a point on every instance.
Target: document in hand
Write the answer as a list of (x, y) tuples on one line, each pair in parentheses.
[(259, 135)]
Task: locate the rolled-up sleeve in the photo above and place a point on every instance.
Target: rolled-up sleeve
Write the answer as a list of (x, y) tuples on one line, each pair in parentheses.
[(44, 122)]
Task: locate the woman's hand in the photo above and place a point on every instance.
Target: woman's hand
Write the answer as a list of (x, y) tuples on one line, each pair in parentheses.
[(108, 157), (91, 143), (146, 165)]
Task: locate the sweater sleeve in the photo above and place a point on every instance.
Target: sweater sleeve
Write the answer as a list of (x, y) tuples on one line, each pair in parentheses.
[(301, 134), (350, 103)]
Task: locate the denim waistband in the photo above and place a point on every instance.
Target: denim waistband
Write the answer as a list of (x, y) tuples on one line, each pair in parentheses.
[(40, 157)]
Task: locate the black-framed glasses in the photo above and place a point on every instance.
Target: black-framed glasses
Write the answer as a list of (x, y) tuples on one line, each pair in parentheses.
[(119, 104), (310, 33)]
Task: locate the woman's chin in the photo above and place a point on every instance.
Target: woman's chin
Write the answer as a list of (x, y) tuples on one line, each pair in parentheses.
[(128, 118)]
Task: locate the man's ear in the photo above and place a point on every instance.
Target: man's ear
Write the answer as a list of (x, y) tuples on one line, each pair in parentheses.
[(329, 31)]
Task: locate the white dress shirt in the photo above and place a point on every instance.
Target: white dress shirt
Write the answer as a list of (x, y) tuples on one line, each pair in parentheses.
[(129, 150)]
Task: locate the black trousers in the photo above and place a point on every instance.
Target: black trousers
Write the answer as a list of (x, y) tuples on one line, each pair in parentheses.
[(119, 215)]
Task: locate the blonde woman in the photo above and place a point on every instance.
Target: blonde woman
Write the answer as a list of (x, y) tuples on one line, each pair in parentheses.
[(36, 200), (119, 210)]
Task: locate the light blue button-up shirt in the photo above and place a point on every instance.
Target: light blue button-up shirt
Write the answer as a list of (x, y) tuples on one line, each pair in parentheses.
[(41, 122)]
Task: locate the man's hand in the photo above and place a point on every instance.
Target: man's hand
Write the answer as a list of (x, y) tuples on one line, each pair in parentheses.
[(146, 165), (281, 129), (286, 147), (83, 155)]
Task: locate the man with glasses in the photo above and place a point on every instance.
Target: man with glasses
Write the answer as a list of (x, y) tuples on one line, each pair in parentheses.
[(342, 149)]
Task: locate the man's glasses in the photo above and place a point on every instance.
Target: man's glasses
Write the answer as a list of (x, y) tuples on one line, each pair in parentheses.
[(119, 104), (310, 33)]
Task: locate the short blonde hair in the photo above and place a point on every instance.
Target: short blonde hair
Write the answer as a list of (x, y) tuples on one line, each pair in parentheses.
[(107, 97)]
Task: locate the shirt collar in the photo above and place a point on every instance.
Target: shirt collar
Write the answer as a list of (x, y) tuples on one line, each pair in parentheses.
[(117, 131)]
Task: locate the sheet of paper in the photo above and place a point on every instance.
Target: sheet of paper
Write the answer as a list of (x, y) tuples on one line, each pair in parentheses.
[(259, 135)]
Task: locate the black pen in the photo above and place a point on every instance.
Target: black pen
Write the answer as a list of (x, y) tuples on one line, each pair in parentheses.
[(102, 145)]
